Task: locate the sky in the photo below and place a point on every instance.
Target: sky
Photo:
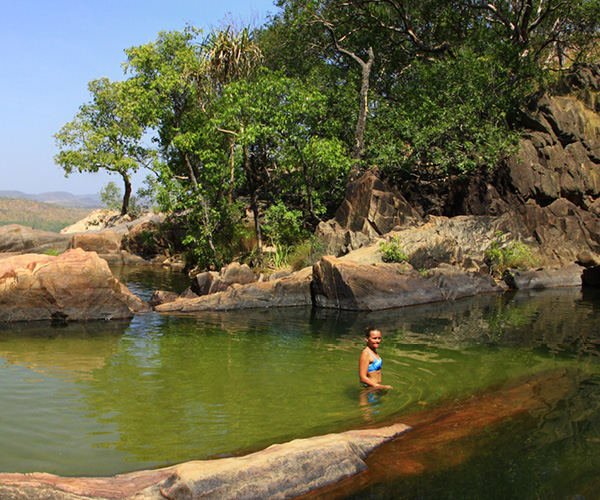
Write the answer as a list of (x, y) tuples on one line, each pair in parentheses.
[(51, 49)]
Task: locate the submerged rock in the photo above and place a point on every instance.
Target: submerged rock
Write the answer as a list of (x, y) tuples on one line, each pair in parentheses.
[(73, 286), (280, 471)]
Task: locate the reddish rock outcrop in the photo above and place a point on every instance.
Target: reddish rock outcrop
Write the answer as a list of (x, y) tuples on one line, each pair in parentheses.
[(280, 471), (73, 286)]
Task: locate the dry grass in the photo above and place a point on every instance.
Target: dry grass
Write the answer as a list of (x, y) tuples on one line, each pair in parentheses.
[(44, 216)]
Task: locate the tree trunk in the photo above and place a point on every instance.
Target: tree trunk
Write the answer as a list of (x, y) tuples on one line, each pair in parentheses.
[(253, 201), (205, 213), (127, 195), (361, 124)]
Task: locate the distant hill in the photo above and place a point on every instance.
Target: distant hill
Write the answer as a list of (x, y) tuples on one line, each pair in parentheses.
[(44, 216), (61, 198)]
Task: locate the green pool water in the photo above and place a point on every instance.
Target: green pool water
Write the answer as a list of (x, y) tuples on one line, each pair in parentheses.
[(110, 397)]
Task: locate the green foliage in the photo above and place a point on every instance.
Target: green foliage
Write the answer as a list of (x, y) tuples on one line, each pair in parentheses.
[(392, 250), (306, 253), (106, 134), (504, 255), (241, 120), (111, 196), (283, 226), (448, 116)]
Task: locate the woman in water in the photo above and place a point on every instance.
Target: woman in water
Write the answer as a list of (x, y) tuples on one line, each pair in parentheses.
[(369, 363)]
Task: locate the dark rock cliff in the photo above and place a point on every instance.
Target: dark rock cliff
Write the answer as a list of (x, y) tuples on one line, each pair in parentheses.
[(551, 187), (547, 194)]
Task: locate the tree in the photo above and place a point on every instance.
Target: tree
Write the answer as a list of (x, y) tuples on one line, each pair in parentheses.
[(172, 75), (106, 134), (539, 27)]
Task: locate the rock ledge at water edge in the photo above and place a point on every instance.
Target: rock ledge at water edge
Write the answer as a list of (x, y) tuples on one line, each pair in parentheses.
[(278, 472)]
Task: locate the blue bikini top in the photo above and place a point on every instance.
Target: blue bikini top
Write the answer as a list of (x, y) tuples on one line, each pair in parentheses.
[(375, 364)]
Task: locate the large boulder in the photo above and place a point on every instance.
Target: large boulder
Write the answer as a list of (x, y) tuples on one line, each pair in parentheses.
[(119, 239), (22, 239), (544, 278), (280, 471), (98, 220), (106, 242), (284, 292), (73, 286), (340, 283), (371, 208), (210, 282), (345, 284)]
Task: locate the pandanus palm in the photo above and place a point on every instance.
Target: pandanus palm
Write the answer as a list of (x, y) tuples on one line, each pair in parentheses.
[(233, 56)]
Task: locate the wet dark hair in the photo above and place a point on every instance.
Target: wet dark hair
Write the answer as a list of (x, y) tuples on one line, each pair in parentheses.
[(370, 329)]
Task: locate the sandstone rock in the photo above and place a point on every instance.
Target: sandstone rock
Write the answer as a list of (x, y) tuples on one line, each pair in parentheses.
[(202, 284), (280, 471), (583, 76), (210, 282), (119, 239), (370, 209), (456, 284), (460, 241), (106, 242), (284, 292), (588, 259), (76, 285), (188, 293), (96, 221), (147, 236), (346, 284), (237, 273), (278, 275), (22, 239), (162, 297), (544, 278), (338, 241)]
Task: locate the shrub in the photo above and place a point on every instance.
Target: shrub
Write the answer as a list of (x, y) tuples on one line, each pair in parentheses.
[(282, 226), (392, 250), (513, 254)]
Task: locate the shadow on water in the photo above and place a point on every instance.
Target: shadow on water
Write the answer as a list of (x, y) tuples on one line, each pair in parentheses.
[(507, 442)]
